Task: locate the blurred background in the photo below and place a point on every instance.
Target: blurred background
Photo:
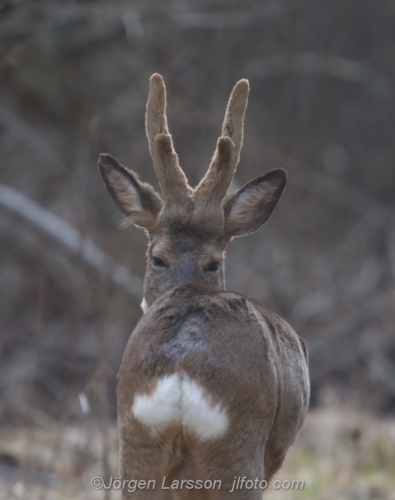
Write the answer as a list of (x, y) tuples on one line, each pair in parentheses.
[(74, 82)]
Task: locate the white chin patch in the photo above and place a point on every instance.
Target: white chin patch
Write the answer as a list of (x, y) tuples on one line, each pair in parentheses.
[(144, 306), (178, 399)]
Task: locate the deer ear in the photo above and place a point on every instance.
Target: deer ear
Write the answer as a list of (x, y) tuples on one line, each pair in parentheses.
[(137, 200), (249, 207)]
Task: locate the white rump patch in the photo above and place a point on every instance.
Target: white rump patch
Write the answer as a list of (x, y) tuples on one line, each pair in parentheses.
[(162, 407), (144, 305), (208, 422), (177, 398)]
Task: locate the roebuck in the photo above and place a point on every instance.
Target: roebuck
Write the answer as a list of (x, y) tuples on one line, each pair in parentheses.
[(212, 385)]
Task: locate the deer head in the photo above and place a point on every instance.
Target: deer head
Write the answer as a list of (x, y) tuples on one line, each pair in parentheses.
[(189, 229)]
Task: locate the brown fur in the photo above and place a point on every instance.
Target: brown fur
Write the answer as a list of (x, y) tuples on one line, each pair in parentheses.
[(246, 357)]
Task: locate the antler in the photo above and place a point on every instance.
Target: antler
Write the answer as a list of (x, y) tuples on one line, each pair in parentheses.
[(219, 176), (173, 183)]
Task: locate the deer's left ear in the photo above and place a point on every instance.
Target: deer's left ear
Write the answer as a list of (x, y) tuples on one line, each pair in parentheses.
[(137, 200), (249, 207)]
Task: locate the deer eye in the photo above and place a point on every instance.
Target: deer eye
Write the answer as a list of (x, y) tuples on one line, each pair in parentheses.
[(157, 262), (213, 267)]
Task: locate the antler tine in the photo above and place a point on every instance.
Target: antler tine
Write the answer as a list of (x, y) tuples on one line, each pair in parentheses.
[(155, 117), (172, 180), (214, 185), (233, 125), (226, 157)]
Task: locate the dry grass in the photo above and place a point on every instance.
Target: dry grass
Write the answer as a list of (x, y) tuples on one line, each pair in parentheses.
[(339, 454)]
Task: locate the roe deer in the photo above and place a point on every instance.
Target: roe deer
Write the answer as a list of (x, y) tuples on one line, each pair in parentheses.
[(212, 385)]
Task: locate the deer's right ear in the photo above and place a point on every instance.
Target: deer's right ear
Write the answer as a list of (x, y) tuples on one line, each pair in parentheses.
[(137, 200)]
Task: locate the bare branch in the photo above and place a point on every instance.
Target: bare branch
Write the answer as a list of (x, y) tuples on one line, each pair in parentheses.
[(337, 192), (69, 237)]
